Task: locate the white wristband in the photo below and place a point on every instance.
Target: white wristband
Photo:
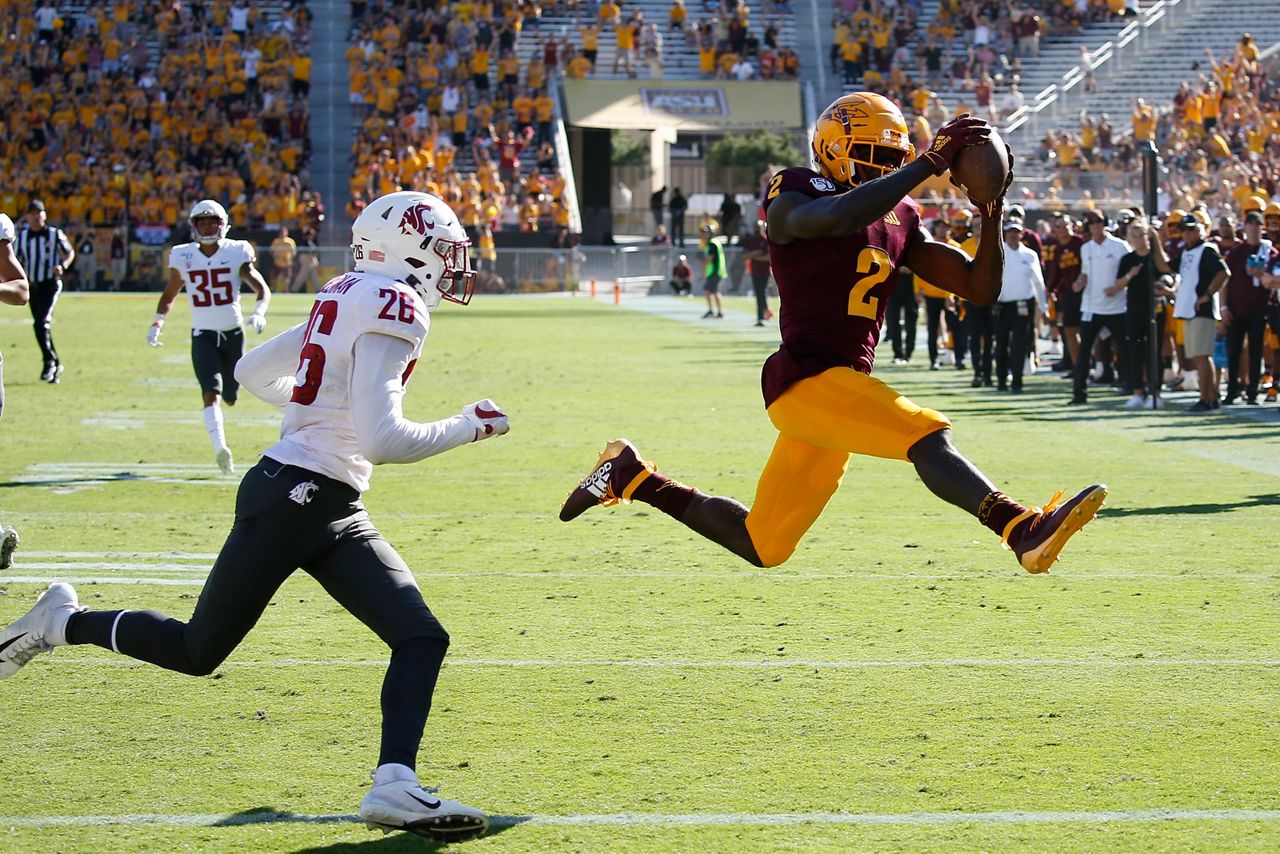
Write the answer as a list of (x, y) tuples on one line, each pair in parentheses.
[(260, 308), (159, 321)]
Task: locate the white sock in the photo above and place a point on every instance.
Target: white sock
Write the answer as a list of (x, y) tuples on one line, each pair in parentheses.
[(391, 772), (213, 423)]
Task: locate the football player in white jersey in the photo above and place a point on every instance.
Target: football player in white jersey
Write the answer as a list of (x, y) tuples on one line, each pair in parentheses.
[(14, 290), (211, 268), (340, 378)]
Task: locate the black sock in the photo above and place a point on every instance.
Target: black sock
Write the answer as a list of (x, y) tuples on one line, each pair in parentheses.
[(145, 635), (92, 627), (406, 697)]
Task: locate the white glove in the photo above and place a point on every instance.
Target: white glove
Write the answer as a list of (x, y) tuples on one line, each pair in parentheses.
[(258, 322), (153, 334), (487, 418)]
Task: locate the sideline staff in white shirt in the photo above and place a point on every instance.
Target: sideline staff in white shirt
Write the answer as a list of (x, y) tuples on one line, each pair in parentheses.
[(1021, 291), (1099, 265)]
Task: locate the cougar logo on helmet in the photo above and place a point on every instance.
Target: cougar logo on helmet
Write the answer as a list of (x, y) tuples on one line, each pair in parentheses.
[(420, 218)]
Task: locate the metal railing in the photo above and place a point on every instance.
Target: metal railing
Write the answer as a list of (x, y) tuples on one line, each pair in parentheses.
[(1110, 56)]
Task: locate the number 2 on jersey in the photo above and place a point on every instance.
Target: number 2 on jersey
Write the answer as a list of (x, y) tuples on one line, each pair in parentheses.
[(311, 357), (875, 263)]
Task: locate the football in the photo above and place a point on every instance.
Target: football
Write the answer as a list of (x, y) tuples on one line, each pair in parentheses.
[(982, 169)]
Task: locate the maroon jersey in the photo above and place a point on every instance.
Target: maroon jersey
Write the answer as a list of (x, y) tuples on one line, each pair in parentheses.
[(1031, 238), (834, 290), (1061, 263)]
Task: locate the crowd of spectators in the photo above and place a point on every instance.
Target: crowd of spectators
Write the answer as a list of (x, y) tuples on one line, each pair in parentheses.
[(447, 107), (1088, 288), (729, 47), (1219, 137), (446, 104), (127, 112)]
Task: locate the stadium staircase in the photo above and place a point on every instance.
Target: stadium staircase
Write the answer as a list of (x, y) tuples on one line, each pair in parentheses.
[(332, 123)]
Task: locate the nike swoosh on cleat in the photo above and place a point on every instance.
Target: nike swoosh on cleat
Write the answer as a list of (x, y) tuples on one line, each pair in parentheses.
[(426, 804), (11, 641)]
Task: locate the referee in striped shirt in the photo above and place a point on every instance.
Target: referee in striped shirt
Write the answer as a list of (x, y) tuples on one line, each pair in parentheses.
[(45, 252)]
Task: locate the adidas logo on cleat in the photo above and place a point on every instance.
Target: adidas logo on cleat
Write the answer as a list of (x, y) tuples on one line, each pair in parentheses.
[(598, 481)]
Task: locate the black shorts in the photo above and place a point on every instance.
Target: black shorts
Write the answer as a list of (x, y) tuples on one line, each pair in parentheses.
[(214, 356), (711, 285), (1069, 305)]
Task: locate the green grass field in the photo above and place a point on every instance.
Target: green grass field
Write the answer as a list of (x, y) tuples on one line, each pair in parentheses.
[(617, 684)]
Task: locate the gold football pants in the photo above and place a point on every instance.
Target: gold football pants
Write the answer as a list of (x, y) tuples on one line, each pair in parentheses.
[(821, 421)]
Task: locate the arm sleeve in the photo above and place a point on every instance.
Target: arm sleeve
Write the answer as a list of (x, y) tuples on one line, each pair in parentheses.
[(1037, 283), (383, 434), (268, 370)]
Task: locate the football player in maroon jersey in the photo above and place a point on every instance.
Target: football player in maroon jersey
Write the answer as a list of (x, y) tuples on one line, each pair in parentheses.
[(837, 236)]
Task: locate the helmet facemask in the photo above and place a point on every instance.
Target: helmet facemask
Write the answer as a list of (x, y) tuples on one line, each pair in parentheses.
[(457, 281)]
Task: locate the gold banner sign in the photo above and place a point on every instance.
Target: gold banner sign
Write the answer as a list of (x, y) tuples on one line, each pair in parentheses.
[(685, 105)]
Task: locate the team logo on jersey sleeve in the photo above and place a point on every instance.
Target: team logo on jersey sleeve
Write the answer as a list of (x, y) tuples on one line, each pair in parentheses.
[(418, 218), (822, 185)]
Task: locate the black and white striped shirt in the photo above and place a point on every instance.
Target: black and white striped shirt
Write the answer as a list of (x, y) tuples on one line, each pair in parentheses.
[(41, 251)]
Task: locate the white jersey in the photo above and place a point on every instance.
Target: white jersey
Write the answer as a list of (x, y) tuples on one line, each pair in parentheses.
[(212, 282), (317, 432), (6, 228)]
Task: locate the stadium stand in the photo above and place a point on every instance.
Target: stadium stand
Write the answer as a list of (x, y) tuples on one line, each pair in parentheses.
[(459, 100), (125, 114)]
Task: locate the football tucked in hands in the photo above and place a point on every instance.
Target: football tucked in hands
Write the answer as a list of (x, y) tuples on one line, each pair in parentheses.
[(981, 170)]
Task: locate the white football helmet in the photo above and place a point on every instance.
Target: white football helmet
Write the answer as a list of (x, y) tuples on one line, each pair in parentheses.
[(208, 209), (415, 238)]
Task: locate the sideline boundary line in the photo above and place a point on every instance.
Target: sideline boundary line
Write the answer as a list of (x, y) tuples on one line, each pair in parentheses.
[(676, 820)]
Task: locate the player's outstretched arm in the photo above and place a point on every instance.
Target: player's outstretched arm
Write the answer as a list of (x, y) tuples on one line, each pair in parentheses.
[(976, 280), (383, 434), (268, 370), (795, 216)]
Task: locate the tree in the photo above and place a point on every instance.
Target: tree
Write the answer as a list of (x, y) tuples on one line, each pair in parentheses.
[(754, 153), (627, 150)]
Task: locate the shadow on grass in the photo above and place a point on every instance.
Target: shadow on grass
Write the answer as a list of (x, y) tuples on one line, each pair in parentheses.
[(1195, 509), (389, 843)]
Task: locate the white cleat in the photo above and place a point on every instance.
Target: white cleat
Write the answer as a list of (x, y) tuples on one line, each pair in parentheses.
[(224, 461), (403, 804), (42, 629), (8, 545)]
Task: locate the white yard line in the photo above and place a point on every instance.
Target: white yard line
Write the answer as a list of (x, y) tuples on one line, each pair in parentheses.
[(202, 561), (631, 819), (730, 664)]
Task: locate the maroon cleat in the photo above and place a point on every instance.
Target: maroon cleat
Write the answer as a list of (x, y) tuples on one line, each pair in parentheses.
[(614, 478), (1037, 536)]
